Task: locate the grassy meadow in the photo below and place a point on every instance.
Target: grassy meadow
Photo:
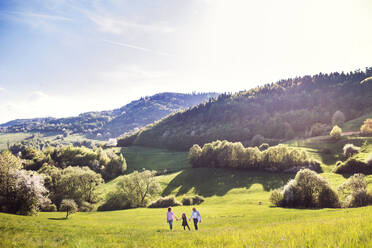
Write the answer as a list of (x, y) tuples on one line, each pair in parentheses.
[(231, 217), (236, 213)]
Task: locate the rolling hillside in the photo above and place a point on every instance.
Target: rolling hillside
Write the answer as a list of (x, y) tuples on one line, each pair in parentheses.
[(277, 112), (106, 124)]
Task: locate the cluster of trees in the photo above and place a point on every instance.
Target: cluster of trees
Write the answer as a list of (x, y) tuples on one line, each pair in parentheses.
[(107, 163), (277, 111), (110, 124), (76, 183), (27, 192), (37, 142), (278, 158), (310, 190)]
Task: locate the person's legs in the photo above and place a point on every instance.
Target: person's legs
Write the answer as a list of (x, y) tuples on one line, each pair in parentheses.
[(188, 226), (196, 224), (184, 227), (170, 224)]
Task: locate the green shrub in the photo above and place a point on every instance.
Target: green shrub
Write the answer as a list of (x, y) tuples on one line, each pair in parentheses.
[(165, 202), (115, 201), (350, 150), (276, 198), (328, 198), (338, 118), (366, 128), (336, 132), (353, 165), (357, 199), (86, 207), (308, 190), (318, 129), (354, 191), (192, 200), (49, 208)]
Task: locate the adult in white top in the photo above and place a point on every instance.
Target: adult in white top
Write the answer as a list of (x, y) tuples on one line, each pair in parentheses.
[(195, 216)]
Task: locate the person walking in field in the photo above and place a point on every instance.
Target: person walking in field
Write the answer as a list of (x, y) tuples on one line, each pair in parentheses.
[(184, 222), (195, 216), (170, 218)]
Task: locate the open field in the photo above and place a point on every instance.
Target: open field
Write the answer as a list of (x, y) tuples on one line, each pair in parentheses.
[(231, 214), (231, 217), (160, 160)]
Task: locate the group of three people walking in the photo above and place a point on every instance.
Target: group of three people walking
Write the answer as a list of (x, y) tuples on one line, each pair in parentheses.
[(195, 216)]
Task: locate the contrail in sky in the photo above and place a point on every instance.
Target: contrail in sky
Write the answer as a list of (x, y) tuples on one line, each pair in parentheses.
[(137, 48)]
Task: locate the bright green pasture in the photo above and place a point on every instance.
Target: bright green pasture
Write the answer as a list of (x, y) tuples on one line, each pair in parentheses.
[(231, 217), (160, 160)]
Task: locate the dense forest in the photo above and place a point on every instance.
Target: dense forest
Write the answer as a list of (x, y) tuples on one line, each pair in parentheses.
[(113, 123), (270, 113)]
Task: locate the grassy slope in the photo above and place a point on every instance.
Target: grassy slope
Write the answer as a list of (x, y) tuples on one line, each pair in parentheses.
[(354, 125), (231, 214), (154, 159)]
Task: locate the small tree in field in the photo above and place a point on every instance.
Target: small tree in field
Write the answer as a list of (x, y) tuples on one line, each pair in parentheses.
[(69, 206), (338, 118), (139, 187), (366, 128), (336, 132)]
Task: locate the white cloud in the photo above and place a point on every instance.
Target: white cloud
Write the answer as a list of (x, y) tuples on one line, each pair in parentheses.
[(2, 89), (37, 96), (115, 25), (132, 73)]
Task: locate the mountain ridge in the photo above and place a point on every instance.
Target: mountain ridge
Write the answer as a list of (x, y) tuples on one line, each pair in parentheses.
[(111, 123)]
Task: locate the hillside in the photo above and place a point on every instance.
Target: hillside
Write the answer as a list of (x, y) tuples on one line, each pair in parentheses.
[(277, 112), (231, 215), (111, 123)]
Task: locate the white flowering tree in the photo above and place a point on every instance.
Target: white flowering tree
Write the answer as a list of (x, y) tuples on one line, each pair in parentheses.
[(21, 192)]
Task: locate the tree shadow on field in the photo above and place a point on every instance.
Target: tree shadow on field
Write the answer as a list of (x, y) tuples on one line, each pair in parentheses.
[(63, 218), (211, 181)]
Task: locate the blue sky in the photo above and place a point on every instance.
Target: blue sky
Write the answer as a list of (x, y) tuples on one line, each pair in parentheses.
[(63, 57)]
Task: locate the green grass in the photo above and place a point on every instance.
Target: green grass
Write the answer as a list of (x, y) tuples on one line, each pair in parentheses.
[(355, 124), (160, 160), (231, 217), (231, 214)]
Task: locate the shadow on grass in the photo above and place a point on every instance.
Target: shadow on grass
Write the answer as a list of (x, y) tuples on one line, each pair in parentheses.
[(211, 181), (63, 218)]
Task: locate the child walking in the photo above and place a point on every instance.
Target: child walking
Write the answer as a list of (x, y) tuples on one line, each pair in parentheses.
[(184, 222)]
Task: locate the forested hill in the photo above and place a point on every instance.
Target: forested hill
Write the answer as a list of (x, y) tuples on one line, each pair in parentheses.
[(113, 123), (274, 112)]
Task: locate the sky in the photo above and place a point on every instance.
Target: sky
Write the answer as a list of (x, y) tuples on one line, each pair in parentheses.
[(64, 57)]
